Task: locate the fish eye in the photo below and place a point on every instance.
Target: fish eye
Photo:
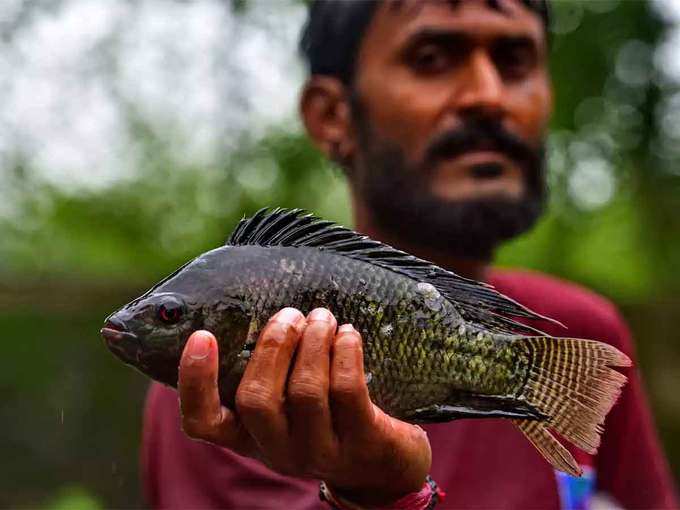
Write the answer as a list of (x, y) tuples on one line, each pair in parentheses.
[(170, 311)]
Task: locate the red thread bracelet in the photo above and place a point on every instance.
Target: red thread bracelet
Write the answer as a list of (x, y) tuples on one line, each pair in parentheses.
[(425, 499)]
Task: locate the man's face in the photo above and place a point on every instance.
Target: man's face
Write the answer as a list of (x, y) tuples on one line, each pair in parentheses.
[(451, 101)]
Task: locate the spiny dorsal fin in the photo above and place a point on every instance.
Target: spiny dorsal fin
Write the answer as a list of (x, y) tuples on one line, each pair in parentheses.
[(477, 302)]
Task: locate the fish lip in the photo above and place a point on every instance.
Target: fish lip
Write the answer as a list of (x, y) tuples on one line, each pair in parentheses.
[(115, 331), (123, 344), (116, 335)]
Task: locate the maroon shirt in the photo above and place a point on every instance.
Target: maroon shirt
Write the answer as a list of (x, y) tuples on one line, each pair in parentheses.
[(481, 464)]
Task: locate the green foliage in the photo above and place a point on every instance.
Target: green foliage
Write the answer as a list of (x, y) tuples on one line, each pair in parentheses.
[(625, 246), (146, 226), (74, 498)]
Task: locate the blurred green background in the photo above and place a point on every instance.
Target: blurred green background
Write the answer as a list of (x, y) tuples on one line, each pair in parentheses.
[(133, 136)]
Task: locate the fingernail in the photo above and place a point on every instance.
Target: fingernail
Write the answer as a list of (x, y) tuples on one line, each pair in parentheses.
[(199, 346), (346, 328), (289, 316), (320, 314)]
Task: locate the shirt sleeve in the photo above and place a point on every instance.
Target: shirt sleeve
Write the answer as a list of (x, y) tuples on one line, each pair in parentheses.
[(179, 473), (631, 466)]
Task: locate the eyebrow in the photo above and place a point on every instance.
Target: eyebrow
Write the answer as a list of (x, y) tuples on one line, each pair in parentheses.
[(450, 37), (443, 37)]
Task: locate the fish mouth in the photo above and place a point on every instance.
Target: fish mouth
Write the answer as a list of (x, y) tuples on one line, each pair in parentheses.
[(122, 343), (115, 335)]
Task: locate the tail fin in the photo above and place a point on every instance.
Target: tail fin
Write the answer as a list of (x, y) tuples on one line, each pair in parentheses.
[(570, 381)]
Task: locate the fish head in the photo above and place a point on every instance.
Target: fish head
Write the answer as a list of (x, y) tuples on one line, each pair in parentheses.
[(150, 332)]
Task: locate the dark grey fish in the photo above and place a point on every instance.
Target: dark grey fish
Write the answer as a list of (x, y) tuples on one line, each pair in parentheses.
[(437, 346)]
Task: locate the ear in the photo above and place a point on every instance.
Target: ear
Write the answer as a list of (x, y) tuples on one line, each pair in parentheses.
[(326, 113)]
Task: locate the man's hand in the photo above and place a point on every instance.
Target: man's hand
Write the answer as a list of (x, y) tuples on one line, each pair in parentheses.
[(303, 409)]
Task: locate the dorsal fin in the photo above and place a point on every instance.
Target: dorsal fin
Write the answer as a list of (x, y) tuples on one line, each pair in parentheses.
[(477, 302)]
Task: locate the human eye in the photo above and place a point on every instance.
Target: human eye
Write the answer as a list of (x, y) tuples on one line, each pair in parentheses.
[(515, 59), (429, 59)]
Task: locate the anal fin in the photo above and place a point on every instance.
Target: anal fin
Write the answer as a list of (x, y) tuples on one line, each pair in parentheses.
[(550, 448)]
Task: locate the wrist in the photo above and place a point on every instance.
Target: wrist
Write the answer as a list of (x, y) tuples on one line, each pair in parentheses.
[(424, 498), (394, 479), (379, 491), (373, 497)]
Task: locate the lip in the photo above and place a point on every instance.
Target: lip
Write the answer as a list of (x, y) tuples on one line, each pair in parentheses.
[(123, 344), (115, 335), (459, 178), (481, 156), (463, 164)]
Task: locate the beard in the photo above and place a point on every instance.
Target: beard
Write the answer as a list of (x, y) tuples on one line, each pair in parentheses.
[(403, 205)]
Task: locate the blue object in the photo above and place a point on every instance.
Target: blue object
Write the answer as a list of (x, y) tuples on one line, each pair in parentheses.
[(576, 493)]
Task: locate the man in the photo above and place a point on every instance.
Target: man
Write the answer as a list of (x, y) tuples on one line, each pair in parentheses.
[(437, 112)]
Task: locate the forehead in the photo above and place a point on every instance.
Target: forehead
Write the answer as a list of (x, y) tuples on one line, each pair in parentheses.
[(397, 21)]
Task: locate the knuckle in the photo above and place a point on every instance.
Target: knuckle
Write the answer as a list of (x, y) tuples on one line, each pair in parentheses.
[(307, 391), (288, 314), (345, 388), (190, 384), (196, 428), (319, 330), (351, 339), (253, 398), (349, 342), (278, 334), (322, 316)]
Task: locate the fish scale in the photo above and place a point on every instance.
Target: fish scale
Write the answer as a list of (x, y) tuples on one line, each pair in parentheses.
[(411, 360)]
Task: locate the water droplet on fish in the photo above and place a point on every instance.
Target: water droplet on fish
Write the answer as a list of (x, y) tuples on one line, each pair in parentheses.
[(431, 296), (245, 354), (386, 330), (369, 378), (427, 289)]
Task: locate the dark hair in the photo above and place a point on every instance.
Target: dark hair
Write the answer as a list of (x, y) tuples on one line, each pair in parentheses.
[(331, 37)]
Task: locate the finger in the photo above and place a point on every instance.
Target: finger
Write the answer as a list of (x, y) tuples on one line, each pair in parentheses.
[(307, 393), (260, 395), (203, 416), (350, 403)]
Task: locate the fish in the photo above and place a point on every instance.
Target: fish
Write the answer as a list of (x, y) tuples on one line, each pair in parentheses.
[(437, 346)]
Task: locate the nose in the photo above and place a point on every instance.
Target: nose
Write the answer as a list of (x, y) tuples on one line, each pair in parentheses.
[(482, 89)]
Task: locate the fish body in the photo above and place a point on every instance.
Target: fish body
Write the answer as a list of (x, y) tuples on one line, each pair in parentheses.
[(436, 346)]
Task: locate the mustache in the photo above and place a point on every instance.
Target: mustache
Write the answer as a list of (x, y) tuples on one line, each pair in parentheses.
[(479, 134)]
